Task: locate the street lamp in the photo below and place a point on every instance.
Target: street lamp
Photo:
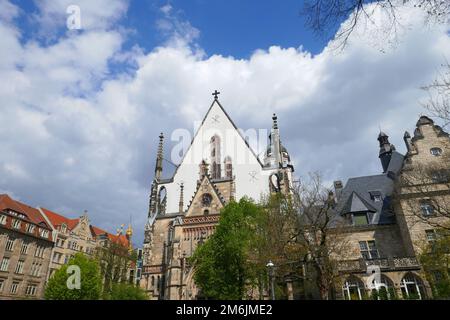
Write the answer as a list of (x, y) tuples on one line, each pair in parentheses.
[(271, 268)]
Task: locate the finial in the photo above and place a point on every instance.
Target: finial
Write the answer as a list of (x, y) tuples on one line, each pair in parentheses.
[(216, 95)]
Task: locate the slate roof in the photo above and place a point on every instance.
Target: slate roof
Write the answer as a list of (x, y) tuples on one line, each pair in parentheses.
[(357, 195)]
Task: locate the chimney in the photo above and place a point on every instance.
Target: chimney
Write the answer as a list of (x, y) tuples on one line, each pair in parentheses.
[(338, 189)]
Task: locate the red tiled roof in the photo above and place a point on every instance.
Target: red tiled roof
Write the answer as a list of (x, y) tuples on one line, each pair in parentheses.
[(6, 202), (97, 231), (57, 219), (120, 239)]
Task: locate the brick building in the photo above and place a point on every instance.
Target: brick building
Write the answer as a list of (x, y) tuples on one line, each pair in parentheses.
[(26, 243)]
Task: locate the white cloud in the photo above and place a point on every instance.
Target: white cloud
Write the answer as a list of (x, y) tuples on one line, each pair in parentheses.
[(76, 136), (98, 14)]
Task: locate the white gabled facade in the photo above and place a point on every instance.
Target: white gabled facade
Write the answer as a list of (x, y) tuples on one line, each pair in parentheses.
[(218, 167)]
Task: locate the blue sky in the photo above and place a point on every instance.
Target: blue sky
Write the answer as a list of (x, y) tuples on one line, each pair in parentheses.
[(88, 106), (230, 27)]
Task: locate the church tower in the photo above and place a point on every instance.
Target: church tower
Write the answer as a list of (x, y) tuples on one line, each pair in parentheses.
[(218, 167)]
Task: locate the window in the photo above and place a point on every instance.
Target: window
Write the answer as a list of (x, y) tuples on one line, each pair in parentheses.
[(368, 250), (5, 264), (440, 176), (56, 257), (2, 284), (19, 267), (228, 168), (206, 212), (10, 245), (206, 200), (431, 235), (375, 196), (24, 248), (360, 219), (412, 287), (31, 290), (73, 245), (427, 208), (2, 219), (436, 152), (39, 251), (36, 269), (14, 287), (16, 224), (30, 228), (353, 289), (384, 287), (43, 233)]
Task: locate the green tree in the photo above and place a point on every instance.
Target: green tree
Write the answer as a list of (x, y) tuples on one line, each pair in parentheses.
[(115, 261), (221, 265), (90, 281), (435, 261), (126, 291)]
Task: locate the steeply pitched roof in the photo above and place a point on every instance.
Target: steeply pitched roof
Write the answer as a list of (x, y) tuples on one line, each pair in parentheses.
[(356, 195), (216, 101), (33, 215), (57, 219), (356, 203)]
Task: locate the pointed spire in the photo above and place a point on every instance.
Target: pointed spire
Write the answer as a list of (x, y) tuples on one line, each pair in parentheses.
[(386, 149), (204, 169), (275, 142), (159, 158), (275, 121), (181, 203)]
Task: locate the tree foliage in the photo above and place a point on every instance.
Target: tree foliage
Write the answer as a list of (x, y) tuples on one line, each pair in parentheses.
[(91, 283), (222, 269), (115, 260), (435, 260), (126, 291)]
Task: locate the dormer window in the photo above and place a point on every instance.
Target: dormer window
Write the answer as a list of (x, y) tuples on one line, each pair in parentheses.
[(436, 152), (360, 219), (376, 196)]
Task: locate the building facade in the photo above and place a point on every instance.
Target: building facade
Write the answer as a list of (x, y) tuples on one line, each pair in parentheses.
[(26, 243), (218, 167), (384, 218), (387, 218)]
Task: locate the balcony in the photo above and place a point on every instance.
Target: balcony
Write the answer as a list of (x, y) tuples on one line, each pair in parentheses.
[(385, 264)]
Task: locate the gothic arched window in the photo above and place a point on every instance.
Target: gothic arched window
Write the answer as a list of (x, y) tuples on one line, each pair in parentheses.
[(162, 197), (215, 157), (206, 200), (228, 168)]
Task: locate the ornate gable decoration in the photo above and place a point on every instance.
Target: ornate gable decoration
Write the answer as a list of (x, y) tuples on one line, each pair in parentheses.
[(206, 200)]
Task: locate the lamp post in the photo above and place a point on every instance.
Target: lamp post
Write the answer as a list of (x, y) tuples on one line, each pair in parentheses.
[(271, 268)]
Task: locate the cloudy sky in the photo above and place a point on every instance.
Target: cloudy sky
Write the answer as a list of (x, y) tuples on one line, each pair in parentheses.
[(81, 110)]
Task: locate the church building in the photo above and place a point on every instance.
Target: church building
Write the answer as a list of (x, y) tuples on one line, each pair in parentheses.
[(218, 167)]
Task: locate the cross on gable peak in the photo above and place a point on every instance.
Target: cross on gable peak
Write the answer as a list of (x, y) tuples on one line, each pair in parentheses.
[(216, 95)]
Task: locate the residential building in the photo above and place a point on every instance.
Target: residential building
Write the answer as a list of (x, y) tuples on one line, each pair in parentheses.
[(26, 243)]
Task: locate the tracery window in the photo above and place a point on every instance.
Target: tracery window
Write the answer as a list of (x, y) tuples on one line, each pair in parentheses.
[(206, 200)]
